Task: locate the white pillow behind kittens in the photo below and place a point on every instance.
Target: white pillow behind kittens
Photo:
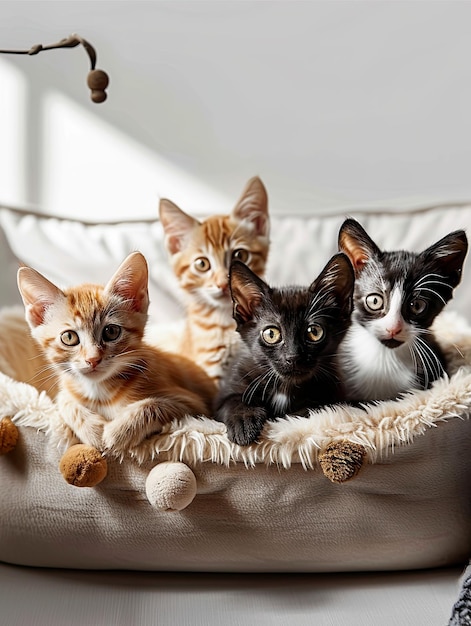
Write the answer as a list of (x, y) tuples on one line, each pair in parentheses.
[(72, 251)]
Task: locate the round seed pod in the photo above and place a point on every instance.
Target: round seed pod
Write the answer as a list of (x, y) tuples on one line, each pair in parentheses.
[(98, 81)]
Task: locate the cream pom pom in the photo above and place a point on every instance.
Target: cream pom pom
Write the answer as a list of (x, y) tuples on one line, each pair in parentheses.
[(170, 486)]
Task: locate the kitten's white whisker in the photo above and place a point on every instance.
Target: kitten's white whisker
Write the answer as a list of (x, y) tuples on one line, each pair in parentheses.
[(414, 361), (418, 352), (426, 279), (433, 282), (250, 372), (435, 293), (457, 348), (377, 271), (269, 379), (249, 392), (321, 301), (429, 356)]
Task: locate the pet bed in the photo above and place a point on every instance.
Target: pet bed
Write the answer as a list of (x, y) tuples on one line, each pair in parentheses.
[(267, 507)]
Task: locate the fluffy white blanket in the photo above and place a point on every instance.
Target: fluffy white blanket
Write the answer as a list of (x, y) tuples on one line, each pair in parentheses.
[(381, 427)]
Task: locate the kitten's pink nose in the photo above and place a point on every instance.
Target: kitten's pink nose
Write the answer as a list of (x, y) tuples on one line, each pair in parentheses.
[(93, 361), (395, 329), (223, 284)]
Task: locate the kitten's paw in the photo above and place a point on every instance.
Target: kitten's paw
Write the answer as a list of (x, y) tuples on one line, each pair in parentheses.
[(246, 428), (341, 460), (92, 436), (117, 438)]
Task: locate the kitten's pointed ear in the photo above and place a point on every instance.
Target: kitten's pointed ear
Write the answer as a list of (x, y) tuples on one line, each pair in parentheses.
[(335, 283), (130, 281), (247, 291), (448, 255), (357, 244), (253, 206), (177, 225), (38, 294)]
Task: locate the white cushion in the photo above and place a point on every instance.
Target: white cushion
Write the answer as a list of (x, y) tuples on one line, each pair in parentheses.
[(69, 252)]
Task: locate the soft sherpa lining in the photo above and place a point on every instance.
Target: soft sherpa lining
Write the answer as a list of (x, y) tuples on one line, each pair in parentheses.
[(380, 427)]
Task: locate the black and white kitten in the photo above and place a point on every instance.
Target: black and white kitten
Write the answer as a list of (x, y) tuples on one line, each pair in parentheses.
[(389, 348), (286, 359)]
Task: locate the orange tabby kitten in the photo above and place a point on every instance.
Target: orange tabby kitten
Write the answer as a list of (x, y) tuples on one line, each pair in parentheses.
[(201, 253), (114, 389), (21, 358)]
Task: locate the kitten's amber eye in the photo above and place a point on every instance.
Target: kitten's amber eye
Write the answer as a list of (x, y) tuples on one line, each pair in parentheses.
[(111, 332), (70, 338), (201, 264), (374, 302), (418, 306), (271, 335), (241, 255), (314, 333)]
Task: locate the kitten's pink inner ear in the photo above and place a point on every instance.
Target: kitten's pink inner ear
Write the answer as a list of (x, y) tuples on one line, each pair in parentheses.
[(177, 225), (357, 255), (242, 311), (37, 293), (130, 282), (36, 311), (246, 300), (137, 296), (174, 243), (253, 205), (261, 224)]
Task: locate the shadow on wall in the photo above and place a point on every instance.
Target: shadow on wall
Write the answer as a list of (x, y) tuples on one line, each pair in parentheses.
[(66, 160), (319, 99)]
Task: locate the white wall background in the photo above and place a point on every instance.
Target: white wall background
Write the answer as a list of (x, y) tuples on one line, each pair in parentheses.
[(336, 105)]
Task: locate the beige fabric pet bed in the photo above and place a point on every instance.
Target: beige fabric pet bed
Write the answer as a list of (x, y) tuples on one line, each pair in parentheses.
[(267, 507)]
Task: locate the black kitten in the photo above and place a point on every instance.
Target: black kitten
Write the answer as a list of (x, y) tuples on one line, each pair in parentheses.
[(290, 336), (389, 347)]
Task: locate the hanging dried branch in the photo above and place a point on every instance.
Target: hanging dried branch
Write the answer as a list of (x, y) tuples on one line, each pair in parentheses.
[(97, 80)]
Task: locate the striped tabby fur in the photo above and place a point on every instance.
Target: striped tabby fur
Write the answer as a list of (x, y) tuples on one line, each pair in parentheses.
[(114, 389), (201, 253)]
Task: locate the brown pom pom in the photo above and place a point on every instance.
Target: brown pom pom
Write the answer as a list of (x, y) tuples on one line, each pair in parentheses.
[(83, 466), (341, 460), (8, 435)]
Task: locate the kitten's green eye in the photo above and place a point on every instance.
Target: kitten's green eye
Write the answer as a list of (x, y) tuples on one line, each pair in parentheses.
[(315, 333), (111, 332), (70, 338), (241, 255), (374, 302), (418, 306), (271, 335), (201, 264)]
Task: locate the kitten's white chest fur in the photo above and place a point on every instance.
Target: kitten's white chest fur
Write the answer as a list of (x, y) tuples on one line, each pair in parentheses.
[(372, 371), (280, 403)]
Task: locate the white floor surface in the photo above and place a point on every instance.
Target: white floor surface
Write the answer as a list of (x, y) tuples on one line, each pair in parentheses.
[(36, 597)]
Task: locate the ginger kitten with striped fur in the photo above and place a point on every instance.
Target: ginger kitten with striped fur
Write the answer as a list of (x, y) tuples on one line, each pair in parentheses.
[(115, 390), (201, 253)]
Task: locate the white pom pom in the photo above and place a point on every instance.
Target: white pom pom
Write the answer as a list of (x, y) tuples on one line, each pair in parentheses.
[(170, 486)]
